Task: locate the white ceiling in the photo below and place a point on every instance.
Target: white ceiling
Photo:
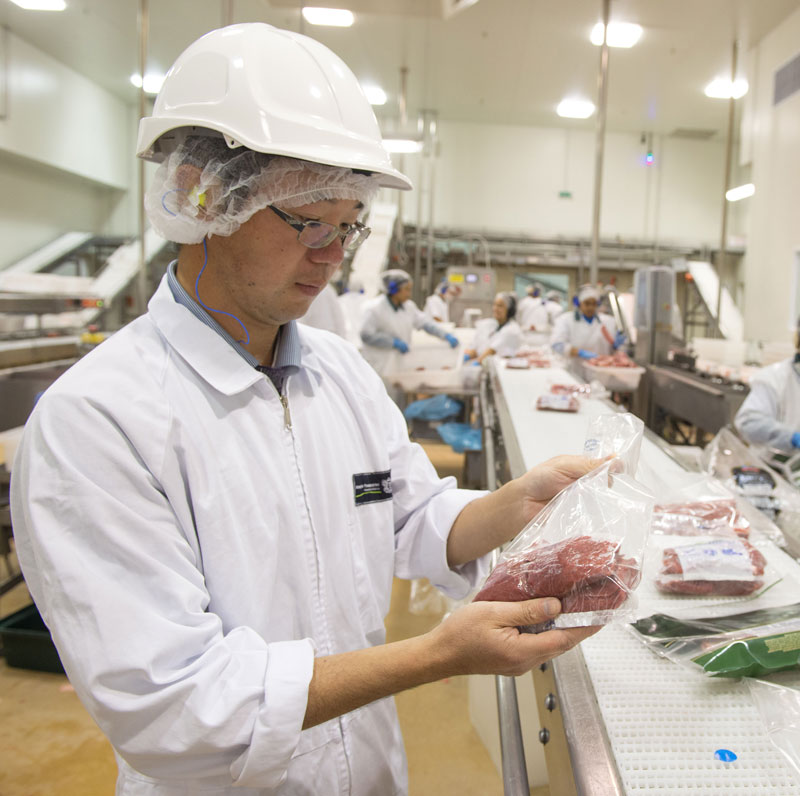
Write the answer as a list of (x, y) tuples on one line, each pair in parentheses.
[(499, 61)]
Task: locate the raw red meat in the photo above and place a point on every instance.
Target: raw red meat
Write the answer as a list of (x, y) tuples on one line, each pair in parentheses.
[(586, 574), (570, 389), (700, 517), (619, 359)]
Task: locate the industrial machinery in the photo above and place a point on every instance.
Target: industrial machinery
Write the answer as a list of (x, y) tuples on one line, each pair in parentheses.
[(675, 400), (476, 292)]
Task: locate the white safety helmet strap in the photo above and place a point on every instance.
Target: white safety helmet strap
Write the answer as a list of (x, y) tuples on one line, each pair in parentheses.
[(272, 91)]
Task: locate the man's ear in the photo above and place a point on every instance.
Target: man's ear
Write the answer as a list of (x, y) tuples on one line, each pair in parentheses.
[(187, 178)]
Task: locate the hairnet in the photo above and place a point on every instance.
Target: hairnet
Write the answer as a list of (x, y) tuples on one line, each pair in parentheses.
[(553, 295), (205, 188), (588, 292), (510, 300), (393, 279)]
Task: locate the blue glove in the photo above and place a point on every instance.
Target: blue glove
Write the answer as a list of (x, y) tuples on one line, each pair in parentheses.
[(796, 439), (400, 345), (467, 357), (584, 354), (620, 339), (452, 339)]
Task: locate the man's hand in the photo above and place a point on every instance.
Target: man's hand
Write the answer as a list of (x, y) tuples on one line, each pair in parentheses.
[(543, 482), (482, 638)]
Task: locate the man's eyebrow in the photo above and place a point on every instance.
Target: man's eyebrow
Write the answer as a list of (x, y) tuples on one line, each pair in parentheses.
[(359, 205)]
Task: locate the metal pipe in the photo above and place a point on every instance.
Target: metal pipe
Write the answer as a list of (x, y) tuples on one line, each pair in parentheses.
[(141, 276), (227, 12), (721, 259), (602, 97)]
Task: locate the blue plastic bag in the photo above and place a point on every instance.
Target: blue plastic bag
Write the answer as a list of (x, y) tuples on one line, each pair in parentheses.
[(440, 407), (460, 437)]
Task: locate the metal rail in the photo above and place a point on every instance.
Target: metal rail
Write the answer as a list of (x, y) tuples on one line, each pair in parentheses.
[(512, 748)]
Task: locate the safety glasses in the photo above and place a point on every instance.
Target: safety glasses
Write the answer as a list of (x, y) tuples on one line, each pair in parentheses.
[(318, 234)]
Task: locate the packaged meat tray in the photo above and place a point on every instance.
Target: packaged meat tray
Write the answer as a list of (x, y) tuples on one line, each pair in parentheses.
[(726, 567), (557, 403), (699, 517), (586, 546)]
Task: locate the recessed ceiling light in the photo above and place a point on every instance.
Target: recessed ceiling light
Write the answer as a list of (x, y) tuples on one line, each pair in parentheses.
[(335, 17), (152, 82), (41, 5), (723, 88), (620, 34), (575, 108), (375, 94), (740, 192)]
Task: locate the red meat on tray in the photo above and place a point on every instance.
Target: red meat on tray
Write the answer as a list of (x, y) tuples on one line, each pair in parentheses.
[(585, 574), (700, 517)]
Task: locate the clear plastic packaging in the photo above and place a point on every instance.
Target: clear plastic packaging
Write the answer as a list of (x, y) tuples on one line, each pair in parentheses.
[(719, 644), (557, 403), (778, 702), (714, 515), (718, 566), (586, 546)]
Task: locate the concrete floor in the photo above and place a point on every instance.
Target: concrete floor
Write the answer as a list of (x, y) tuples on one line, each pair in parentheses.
[(51, 745)]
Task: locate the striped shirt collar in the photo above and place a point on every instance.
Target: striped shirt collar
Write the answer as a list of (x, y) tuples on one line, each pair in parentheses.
[(287, 351)]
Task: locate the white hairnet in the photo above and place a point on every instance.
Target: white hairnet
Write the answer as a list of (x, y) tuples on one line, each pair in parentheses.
[(393, 279), (553, 295), (587, 292), (510, 300), (205, 188)]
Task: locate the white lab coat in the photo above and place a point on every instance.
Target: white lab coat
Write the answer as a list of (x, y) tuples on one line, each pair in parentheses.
[(326, 313), (505, 341), (436, 308), (352, 304), (573, 330), (771, 412), (192, 547), (538, 313), (381, 323)]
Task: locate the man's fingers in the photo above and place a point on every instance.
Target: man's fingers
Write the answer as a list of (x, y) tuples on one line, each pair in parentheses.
[(531, 612)]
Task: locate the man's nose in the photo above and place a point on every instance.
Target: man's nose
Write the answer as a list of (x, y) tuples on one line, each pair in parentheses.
[(332, 254)]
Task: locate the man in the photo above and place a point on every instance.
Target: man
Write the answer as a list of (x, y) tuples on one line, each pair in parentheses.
[(585, 333), (209, 508), (389, 320), (535, 312), (770, 415)]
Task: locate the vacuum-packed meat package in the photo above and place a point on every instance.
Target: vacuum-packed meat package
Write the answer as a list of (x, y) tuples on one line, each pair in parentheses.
[(557, 403), (728, 567), (586, 546), (715, 515)]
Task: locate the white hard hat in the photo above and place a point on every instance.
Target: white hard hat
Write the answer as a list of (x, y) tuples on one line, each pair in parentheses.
[(271, 91)]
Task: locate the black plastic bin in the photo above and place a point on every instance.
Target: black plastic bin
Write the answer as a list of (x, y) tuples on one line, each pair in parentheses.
[(27, 643)]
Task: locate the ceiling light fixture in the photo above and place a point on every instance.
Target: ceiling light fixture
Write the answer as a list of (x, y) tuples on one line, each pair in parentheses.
[(41, 5), (152, 82), (740, 192), (334, 17), (620, 34), (375, 94), (402, 145), (723, 88), (575, 108)]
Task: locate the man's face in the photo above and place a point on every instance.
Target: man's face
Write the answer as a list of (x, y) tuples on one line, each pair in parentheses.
[(589, 307), (263, 274)]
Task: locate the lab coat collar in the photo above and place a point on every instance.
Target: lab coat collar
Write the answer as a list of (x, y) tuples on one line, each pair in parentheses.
[(206, 352)]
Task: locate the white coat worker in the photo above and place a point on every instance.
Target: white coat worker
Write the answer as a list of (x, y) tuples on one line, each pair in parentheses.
[(209, 508), (536, 313), (499, 334), (585, 333), (389, 320), (554, 297), (437, 307), (352, 301), (326, 312), (770, 415)]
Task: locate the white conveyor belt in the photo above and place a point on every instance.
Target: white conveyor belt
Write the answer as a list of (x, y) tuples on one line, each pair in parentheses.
[(664, 723)]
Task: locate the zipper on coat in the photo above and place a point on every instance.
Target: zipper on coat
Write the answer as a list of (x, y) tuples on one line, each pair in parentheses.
[(287, 418)]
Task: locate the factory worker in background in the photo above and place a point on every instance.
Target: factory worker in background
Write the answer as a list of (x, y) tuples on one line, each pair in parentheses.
[(770, 415), (585, 333), (554, 297), (535, 312), (390, 318), (499, 334), (437, 307), (326, 312), (209, 508)]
